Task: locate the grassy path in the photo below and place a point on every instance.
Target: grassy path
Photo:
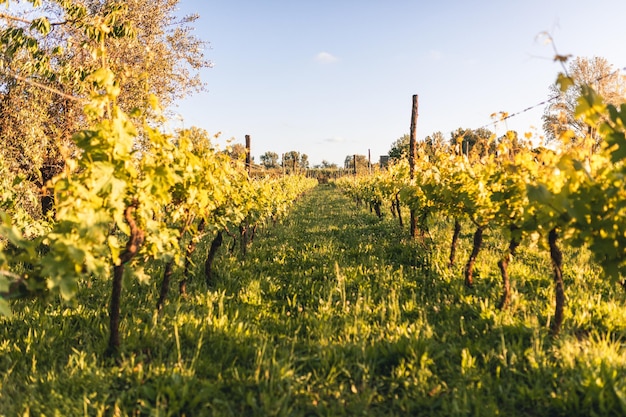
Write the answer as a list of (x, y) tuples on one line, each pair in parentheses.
[(368, 323), (340, 316), (332, 312)]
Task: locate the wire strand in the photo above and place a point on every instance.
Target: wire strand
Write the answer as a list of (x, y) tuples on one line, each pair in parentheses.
[(542, 103), (554, 97)]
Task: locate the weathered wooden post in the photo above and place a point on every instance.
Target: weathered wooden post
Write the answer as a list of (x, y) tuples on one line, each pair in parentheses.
[(412, 155), (282, 163), (248, 158)]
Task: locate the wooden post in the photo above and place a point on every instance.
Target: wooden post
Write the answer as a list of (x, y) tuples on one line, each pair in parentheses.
[(248, 159), (412, 139), (412, 155), (354, 162), (282, 163), (369, 160)]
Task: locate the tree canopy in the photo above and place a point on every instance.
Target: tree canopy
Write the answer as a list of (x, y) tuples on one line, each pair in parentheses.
[(400, 148), (48, 51), (361, 162), (269, 159), (294, 160), (560, 114), (478, 141), (325, 164)]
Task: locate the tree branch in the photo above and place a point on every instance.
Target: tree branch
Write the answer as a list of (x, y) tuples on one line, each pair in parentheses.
[(43, 87), (28, 22), (14, 18)]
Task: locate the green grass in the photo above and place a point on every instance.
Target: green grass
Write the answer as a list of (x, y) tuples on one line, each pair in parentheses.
[(332, 312)]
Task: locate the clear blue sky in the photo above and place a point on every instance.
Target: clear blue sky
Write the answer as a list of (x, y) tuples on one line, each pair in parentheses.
[(332, 78)]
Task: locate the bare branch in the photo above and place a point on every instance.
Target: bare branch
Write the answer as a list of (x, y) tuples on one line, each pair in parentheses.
[(44, 87), (28, 22), (14, 18)]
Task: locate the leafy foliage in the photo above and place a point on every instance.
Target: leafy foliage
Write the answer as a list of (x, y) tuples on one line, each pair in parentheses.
[(46, 63), (529, 194), (561, 116), (361, 334), (126, 195), (332, 312)]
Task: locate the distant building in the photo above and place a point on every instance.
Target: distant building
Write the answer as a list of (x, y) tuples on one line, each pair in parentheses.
[(384, 161)]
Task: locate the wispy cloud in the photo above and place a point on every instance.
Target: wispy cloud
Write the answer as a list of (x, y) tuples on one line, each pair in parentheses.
[(325, 58), (435, 55), (335, 139)]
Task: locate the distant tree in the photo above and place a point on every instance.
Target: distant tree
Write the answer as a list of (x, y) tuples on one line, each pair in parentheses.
[(291, 160), (400, 148), (514, 143), (200, 137), (361, 162), (237, 152), (304, 161), (478, 142), (326, 164), (559, 114), (269, 159), (291, 156), (435, 140)]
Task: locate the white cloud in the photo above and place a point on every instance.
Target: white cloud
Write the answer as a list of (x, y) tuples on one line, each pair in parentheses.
[(335, 139), (325, 58), (435, 55)]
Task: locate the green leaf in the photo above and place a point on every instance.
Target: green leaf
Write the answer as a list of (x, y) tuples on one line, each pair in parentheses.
[(4, 284), (539, 193), (115, 248), (17, 180), (5, 308), (617, 141), (564, 82), (141, 275), (102, 77), (68, 288), (42, 25)]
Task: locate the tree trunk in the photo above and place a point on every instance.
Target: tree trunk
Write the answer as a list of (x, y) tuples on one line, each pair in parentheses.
[(165, 284), (412, 157), (503, 264), (423, 225), (413, 224), (557, 265), (191, 247), (469, 267), (135, 240), (399, 210), (47, 171), (252, 233), (455, 241), (114, 310), (243, 236), (208, 265), (377, 210)]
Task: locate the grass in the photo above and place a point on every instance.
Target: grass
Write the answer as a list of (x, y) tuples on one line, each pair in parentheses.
[(332, 312)]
